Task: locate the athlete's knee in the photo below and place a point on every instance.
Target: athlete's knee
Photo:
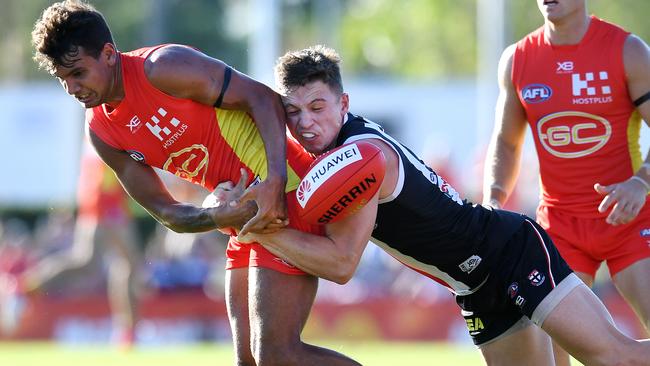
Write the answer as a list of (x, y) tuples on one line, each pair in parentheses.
[(271, 350), (626, 353), (276, 355)]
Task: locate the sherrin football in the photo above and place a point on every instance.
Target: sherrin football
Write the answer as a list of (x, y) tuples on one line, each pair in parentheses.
[(340, 182)]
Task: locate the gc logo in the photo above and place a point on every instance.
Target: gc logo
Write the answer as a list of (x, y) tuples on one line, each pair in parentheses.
[(561, 136), (190, 163)]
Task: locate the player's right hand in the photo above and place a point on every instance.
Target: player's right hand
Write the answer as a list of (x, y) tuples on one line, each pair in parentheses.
[(625, 199), (226, 216)]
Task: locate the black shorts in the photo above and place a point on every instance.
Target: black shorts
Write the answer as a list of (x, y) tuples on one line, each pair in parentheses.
[(529, 270)]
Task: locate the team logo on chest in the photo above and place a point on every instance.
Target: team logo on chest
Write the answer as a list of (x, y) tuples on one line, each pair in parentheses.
[(160, 125), (573, 134), (190, 163), (536, 93)]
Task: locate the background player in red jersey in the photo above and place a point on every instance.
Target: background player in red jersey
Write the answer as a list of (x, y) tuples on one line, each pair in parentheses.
[(503, 268), (581, 83), (166, 107), (103, 223)]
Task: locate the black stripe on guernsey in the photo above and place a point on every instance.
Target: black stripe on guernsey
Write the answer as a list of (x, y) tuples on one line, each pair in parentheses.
[(227, 73), (642, 99)]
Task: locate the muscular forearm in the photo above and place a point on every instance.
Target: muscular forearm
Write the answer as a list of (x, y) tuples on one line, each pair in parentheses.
[(316, 255), (501, 171), (187, 218)]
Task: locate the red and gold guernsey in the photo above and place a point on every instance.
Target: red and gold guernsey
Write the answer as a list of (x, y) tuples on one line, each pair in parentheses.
[(199, 143), (585, 126)]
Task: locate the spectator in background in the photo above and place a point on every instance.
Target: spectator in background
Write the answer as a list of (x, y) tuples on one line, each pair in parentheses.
[(583, 86), (103, 224)]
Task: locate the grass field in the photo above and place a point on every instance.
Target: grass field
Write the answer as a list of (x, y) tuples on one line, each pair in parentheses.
[(379, 354), (368, 353)]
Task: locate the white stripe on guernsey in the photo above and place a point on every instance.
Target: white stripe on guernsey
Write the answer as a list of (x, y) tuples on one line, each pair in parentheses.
[(548, 256), (411, 158), (455, 286), (400, 177)]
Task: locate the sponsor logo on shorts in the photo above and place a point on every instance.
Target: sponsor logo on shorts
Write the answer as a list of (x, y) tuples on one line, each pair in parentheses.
[(470, 264), (645, 233), (136, 155), (536, 278), (536, 93), (329, 166), (475, 325), (513, 289), (520, 301)]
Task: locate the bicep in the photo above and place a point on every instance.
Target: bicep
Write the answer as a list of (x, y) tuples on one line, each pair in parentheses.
[(636, 58), (510, 117)]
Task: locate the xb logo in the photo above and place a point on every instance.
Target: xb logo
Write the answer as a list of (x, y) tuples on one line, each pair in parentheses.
[(562, 136), (563, 67)]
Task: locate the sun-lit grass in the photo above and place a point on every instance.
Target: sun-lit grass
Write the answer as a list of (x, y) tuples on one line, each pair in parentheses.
[(376, 353), (367, 353)]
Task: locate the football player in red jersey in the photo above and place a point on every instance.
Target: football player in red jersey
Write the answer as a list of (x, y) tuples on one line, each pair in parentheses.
[(174, 108), (582, 84)]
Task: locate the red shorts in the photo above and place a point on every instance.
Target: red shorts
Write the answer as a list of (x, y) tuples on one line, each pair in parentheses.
[(255, 255), (586, 242)]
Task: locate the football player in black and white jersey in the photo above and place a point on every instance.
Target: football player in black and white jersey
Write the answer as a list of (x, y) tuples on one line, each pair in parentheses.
[(503, 268)]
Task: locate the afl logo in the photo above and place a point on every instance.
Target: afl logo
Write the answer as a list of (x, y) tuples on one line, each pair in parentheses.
[(573, 134), (305, 186), (136, 155), (536, 93)]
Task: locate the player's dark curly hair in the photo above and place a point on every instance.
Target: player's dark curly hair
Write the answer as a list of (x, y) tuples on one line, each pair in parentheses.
[(63, 28), (297, 68)]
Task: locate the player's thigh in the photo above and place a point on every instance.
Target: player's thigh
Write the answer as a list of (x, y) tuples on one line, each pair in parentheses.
[(279, 303), (527, 346), (634, 283), (581, 324)]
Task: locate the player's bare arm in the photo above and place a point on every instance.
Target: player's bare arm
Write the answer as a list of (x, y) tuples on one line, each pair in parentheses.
[(187, 73), (336, 255), (625, 199), (502, 161), (143, 184)]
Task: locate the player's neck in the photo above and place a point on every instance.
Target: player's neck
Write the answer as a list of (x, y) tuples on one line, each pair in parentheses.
[(567, 31), (116, 93)]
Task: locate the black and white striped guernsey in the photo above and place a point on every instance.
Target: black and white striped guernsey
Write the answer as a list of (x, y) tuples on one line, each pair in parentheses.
[(425, 224)]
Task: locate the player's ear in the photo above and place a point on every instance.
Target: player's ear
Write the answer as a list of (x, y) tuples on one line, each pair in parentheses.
[(345, 103), (110, 53)]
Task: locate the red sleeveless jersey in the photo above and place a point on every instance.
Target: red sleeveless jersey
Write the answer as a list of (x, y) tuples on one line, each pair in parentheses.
[(585, 126), (199, 143)]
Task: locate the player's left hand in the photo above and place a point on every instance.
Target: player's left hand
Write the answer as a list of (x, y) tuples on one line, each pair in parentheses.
[(627, 198), (271, 206)]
